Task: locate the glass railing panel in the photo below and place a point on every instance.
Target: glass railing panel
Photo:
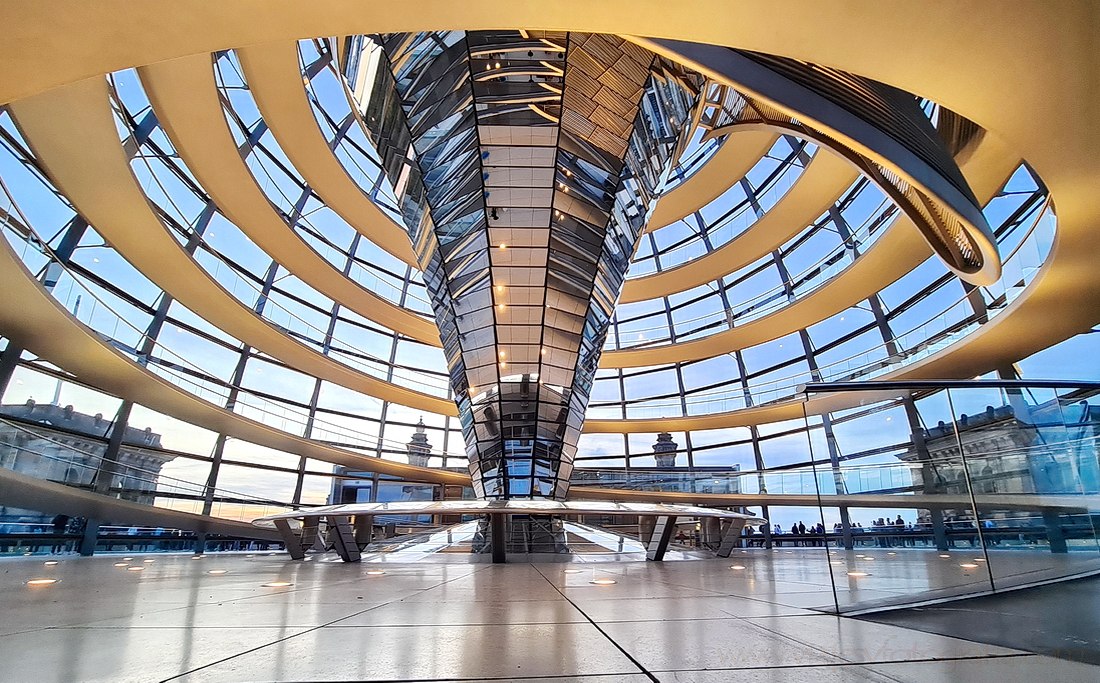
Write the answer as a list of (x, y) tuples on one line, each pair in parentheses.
[(1030, 456)]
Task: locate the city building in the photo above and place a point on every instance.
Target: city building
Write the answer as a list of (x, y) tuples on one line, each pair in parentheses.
[(709, 323)]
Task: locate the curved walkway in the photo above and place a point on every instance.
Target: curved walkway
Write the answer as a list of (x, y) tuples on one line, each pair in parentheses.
[(900, 249), (73, 135), (826, 177), (36, 320), (736, 157), (184, 96), (275, 81)]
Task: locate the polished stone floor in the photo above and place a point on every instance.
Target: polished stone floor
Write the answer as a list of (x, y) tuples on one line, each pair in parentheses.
[(214, 619)]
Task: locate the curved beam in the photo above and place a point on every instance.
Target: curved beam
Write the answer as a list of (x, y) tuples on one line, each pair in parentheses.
[(826, 177), (275, 81), (33, 318), (73, 135), (184, 96), (736, 157)]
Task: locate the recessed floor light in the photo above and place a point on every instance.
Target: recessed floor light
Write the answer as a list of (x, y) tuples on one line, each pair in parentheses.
[(968, 565), (737, 566), (979, 559), (121, 564), (837, 562), (42, 582), (375, 572), (868, 559), (945, 556), (196, 557), (572, 571), (858, 574), (50, 563), (891, 553), (218, 571), (127, 559), (150, 561), (603, 582), (135, 569), (277, 584)]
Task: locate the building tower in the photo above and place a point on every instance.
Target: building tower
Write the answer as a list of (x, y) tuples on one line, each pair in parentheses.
[(664, 450), (418, 447)]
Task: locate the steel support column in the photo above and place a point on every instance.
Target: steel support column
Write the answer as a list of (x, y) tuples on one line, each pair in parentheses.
[(662, 536)]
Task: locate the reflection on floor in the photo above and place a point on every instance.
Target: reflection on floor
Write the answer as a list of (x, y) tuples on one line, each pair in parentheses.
[(238, 617), (1061, 620)]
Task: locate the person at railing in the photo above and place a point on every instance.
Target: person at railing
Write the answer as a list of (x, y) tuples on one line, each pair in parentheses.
[(60, 523)]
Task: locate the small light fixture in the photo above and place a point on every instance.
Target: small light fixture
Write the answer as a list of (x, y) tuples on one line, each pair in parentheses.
[(891, 553), (50, 563), (979, 559), (121, 564), (858, 574), (149, 561), (969, 565), (218, 572), (837, 562), (127, 559), (944, 555), (501, 354), (603, 582), (375, 572), (135, 569), (42, 582), (737, 566), (196, 557), (572, 571), (277, 584)]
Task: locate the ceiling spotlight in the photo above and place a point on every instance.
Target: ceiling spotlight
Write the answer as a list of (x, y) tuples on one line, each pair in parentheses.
[(603, 582), (503, 245), (42, 582)]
